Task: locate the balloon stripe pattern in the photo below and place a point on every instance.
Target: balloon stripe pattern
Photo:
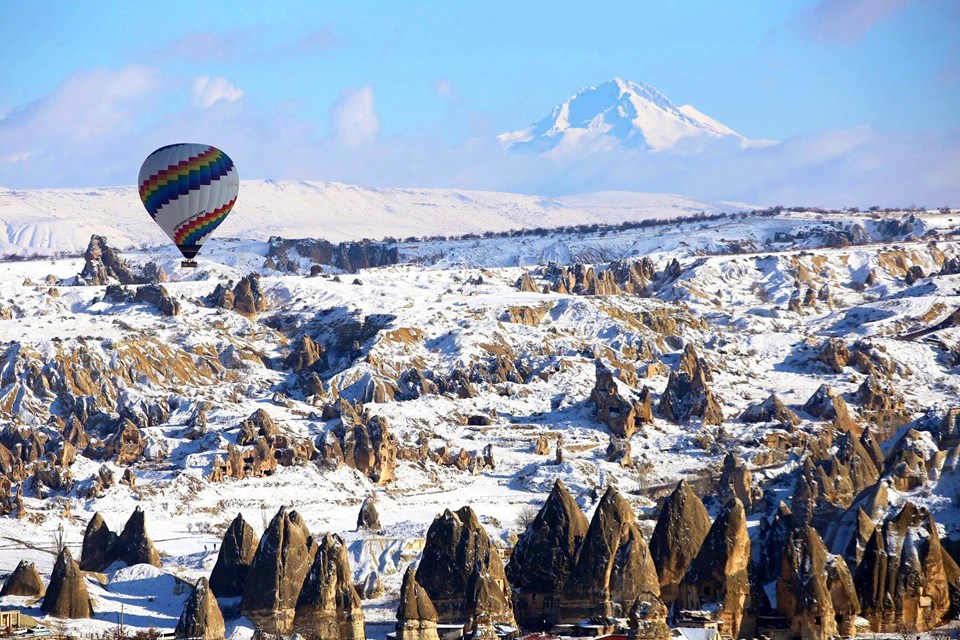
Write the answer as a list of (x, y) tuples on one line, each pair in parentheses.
[(188, 190)]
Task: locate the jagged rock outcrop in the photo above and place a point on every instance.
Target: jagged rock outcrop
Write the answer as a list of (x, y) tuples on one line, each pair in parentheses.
[(283, 558), (906, 577), (258, 425), (102, 263), (462, 572), (66, 595), (306, 356), (543, 557), (648, 619), (826, 404), (882, 404), (736, 481), (368, 447), (688, 395), (24, 581), (286, 253), (368, 519), (99, 545), (236, 554), (246, 297), (771, 410), (416, 616), (814, 591), (158, 296), (134, 545), (681, 528), (621, 409), (328, 607), (201, 618), (526, 284), (718, 577), (614, 566)]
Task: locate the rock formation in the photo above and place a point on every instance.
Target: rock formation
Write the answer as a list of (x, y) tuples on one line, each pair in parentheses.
[(234, 559), (681, 527), (543, 557), (101, 264), (99, 545), (648, 618), (134, 545), (368, 519), (771, 410), (416, 616), (248, 297), (66, 595), (368, 447), (735, 482), (688, 395), (460, 563), (328, 607), (622, 410), (719, 576), (201, 618), (24, 581), (283, 558), (905, 577), (158, 296), (614, 566)]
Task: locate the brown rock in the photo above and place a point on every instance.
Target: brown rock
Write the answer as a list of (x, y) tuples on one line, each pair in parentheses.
[(681, 528), (735, 481), (99, 545), (258, 425), (24, 581), (307, 355), (416, 616), (234, 559), (621, 409), (248, 297), (771, 410), (648, 618), (201, 618), (718, 575), (543, 557), (459, 565), (328, 607), (134, 545), (368, 519), (613, 567), (66, 595), (101, 264), (283, 558)]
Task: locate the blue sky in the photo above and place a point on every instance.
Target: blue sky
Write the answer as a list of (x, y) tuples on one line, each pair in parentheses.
[(394, 93)]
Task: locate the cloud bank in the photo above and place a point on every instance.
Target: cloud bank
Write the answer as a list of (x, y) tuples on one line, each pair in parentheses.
[(96, 128)]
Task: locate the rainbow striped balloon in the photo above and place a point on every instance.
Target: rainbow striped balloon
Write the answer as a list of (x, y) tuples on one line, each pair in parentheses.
[(188, 189)]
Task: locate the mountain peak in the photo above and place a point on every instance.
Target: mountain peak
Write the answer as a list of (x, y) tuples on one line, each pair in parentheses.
[(616, 113)]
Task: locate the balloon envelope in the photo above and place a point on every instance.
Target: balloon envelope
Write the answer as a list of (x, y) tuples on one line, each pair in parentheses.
[(188, 190)]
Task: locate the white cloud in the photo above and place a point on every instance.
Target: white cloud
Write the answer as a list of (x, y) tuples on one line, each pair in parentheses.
[(847, 21), (353, 121), (208, 91), (446, 90)]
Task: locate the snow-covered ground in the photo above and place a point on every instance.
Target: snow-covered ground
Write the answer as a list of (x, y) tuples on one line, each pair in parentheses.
[(754, 344)]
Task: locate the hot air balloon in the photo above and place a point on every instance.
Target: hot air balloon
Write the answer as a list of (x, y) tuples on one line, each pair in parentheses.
[(188, 190)]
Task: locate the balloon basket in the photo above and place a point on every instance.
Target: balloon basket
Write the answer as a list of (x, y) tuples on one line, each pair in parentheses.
[(191, 264)]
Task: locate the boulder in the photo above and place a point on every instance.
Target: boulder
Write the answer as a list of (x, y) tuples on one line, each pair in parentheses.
[(280, 564), (24, 581), (543, 557), (237, 549), (621, 409), (648, 618), (681, 527), (201, 618), (614, 566), (328, 607), (66, 595), (157, 296), (718, 577), (416, 616), (460, 563)]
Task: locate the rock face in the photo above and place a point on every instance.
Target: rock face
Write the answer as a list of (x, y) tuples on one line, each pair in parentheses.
[(24, 581), (248, 297), (328, 607), (201, 617), (543, 557), (688, 395), (735, 482), (368, 447), (233, 562), (826, 404), (283, 558), (348, 256), (719, 576), (368, 519), (462, 572), (99, 545), (158, 296), (815, 591), (905, 577), (101, 264), (67, 595), (614, 566), (134, 545), (416, 616), (623, 411), (682, 526)]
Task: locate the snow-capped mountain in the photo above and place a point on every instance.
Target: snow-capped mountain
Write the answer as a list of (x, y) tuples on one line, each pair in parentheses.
[(618, 114)]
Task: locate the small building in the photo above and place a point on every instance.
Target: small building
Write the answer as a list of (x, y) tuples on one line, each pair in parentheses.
[(10, 619)]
